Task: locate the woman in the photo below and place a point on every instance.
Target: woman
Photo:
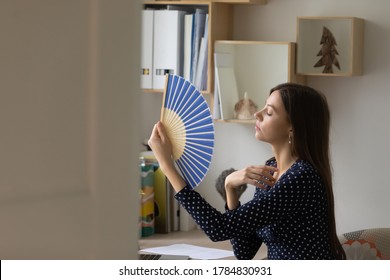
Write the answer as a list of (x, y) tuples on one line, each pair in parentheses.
[(292, 210)]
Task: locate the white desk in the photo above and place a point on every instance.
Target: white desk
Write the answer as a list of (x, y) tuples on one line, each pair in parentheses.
[(194, 237)]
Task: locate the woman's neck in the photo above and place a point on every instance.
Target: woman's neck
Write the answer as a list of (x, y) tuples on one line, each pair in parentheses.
[(284, 160)]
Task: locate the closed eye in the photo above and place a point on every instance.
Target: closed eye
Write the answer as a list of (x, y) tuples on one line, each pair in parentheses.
[(269, 109)]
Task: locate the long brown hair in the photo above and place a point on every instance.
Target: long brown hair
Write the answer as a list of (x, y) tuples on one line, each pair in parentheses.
[(310, 120)]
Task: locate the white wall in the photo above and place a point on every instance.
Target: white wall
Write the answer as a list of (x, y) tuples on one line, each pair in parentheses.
[(360, 133)]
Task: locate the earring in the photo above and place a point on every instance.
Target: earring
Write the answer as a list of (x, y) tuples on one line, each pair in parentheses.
[(289, 139)]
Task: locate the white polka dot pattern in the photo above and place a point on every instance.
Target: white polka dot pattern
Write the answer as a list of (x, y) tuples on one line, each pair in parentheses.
[(290, 218)]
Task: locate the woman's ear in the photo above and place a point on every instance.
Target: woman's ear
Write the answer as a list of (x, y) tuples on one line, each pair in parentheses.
[(290, 136)]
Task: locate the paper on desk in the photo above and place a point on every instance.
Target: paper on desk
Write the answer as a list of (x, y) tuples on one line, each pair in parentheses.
[(194, 252)]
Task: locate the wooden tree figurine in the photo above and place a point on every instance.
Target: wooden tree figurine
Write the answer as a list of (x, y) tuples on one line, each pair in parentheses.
[(328, 52)]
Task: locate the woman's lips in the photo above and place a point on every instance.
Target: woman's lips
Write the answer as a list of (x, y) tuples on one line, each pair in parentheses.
[(257, 128)]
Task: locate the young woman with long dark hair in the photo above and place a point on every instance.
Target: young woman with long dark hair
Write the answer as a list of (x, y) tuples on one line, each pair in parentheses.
[(292, 210)]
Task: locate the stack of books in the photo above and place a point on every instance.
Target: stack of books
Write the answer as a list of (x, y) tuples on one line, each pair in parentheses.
[(174, 41), (168, 214)]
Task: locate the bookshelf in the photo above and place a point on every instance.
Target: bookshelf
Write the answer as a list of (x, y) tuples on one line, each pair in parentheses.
[(220, 27)]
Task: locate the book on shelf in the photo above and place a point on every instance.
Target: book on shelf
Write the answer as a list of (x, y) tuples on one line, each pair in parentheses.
[(198, 33), (147, 49), (168, 214), (174, 41), (226, 84), (162, 194), (217, 100), (167, 45), (201, 69), (187, 52)]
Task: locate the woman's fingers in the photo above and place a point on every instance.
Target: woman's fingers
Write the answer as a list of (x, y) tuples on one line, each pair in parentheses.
[(264, 182), (158, 136), (262, 176), (160, 145), (259, 176), (154, 136), (161, 132)]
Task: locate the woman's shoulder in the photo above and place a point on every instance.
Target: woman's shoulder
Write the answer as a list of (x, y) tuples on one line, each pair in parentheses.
[(303, 169), (305, 165)]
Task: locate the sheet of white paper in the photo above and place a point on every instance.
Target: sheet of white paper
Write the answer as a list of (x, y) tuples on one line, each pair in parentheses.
[(194, 252)]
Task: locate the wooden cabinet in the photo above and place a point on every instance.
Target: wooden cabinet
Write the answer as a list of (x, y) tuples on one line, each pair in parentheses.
[(220, 26)]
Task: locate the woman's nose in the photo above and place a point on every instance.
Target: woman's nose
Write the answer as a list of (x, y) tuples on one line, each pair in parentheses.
[(258, 115)]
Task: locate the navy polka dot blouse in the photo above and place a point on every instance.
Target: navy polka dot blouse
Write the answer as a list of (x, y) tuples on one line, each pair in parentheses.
[(290, 218)]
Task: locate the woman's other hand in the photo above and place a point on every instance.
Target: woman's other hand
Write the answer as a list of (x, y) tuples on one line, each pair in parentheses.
[(259, 176)]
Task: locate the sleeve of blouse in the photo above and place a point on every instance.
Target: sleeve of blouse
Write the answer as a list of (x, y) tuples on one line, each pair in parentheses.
[(245, 248), (287, 196), (206, 217), (213, 223)]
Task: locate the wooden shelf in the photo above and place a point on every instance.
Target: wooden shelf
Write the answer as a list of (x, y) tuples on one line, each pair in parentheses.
[(220, 28), (258, 66)]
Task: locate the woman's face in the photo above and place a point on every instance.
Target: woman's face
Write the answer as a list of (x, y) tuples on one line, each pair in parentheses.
[(272, 122)]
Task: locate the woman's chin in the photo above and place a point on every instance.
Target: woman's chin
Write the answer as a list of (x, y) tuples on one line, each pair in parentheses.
[(258, 136)]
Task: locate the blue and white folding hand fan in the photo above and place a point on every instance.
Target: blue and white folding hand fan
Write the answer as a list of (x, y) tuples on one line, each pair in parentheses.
[(190, 128)]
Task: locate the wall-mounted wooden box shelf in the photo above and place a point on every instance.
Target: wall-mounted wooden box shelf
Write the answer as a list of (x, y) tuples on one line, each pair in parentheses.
[(330, 46), (258, 66)]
